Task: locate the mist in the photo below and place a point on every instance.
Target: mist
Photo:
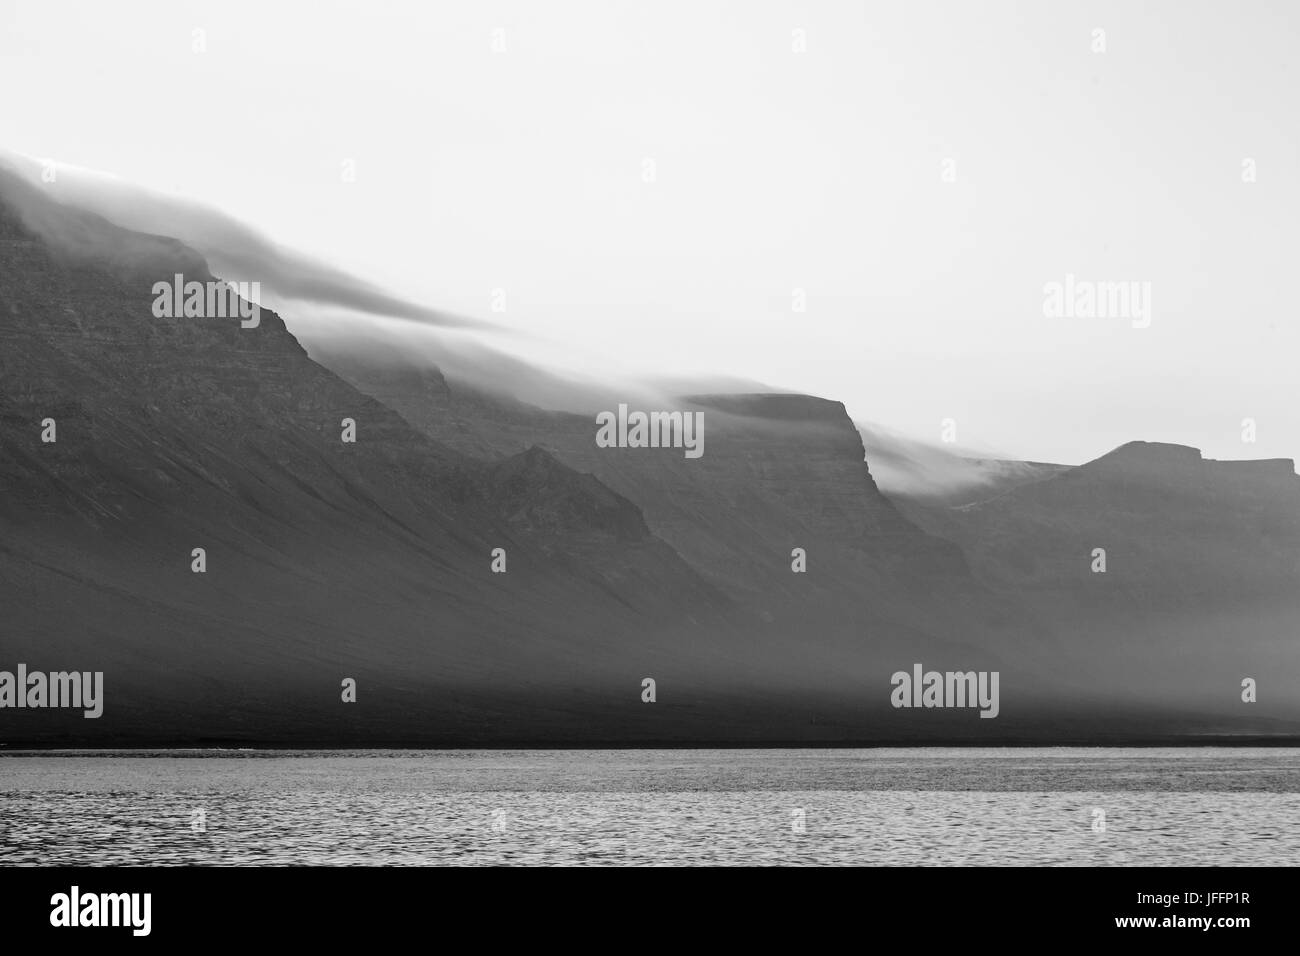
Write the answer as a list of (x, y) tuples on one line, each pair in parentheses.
[(328, 309), (233, 251), (945, 475)]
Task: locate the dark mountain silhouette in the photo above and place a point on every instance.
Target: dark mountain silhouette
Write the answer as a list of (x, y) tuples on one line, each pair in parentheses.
[(325, 559), (372, 560), (788, 469)]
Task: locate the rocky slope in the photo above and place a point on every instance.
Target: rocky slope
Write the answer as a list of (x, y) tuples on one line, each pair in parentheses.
[(324, 559), (787, 470), (1201, 586), (372, 560), (780, 472)]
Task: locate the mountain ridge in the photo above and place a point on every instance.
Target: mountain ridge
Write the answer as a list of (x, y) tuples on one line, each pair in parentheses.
[(371, 560)]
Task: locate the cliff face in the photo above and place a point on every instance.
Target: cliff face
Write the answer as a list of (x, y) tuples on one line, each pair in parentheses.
[(1176, 527), (778, 472), (373, 560), (324, 559), (1201, 581), (1197, 550)]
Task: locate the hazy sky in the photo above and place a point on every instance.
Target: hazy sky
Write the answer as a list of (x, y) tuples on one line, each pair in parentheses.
[(774, 170)]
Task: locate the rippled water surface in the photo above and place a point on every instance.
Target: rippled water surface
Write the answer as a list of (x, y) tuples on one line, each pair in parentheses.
[(890, 806)]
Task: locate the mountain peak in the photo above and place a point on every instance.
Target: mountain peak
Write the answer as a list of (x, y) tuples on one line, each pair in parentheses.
[(1143, 457), (1152, 452)]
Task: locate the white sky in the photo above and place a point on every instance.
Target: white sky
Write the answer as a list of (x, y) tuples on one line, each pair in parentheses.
[(775, 171)]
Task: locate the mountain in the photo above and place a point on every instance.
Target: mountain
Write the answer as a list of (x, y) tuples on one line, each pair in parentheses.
[(780, 471), (1201, 586), (325, 560), (787, 470), (373, 560)]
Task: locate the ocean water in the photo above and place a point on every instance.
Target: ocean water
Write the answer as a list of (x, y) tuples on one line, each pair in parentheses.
[(1056, 806)]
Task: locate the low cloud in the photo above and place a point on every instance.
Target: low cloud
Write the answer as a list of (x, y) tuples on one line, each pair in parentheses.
[(233, 250), (942, 475)]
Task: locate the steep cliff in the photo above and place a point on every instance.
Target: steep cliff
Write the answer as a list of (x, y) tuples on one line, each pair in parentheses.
[(1174, 577), (373, 559), (324, 559), (778, 472)]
